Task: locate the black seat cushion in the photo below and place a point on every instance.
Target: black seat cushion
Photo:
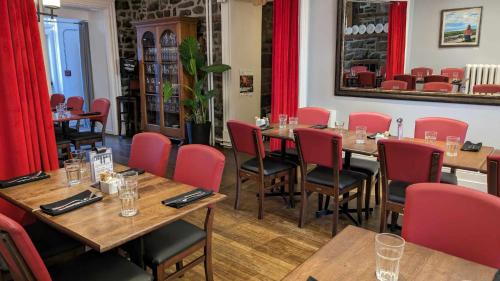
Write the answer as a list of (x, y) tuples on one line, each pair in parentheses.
[(449, 178), (48, 241), (99, 267), (397, 191), (291, 155), (170, 240), (271, 165), (85, 136), (369, 167), (324, 176)]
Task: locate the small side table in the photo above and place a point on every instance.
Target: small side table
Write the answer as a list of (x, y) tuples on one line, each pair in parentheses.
[(124, 106)]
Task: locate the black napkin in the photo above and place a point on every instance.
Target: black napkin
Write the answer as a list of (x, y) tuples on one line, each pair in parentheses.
[(497, 276), (85, 198), (89, 113), (138, 170), (473, 147), (319, 126), (187, 198), (23, 179), (311, 279)]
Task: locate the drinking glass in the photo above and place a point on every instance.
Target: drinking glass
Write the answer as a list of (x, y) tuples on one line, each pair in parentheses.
[(360, 134), (430, 136), (452, 144), (80, 155), (282, 121), (293, 122), (73, 171), (339, 126), (389, 249), (128, 193)]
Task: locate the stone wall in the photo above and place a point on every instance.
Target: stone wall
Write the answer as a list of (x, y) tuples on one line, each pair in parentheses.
[(267, 58)]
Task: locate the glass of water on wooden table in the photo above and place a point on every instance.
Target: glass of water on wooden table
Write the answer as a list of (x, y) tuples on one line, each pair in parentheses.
[(73, 169), (389, 249), (128, 192), (452, 146)]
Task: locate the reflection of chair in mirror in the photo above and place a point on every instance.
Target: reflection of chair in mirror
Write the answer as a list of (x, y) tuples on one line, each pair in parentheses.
[(358, 68), (453, 74), (366, 79), (435, 78), (486, 89), (421, 72), (438, 87), (410, 80), (394, 85)]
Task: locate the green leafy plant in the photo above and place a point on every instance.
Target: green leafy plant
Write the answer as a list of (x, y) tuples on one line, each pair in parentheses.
[(194, 64)]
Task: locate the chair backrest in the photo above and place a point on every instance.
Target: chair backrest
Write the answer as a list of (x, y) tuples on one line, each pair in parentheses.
[(411, 80), (444, 87), (373, 121), (456, 220), (75, 103), (486, 89), (394, 85), (421, 72), (436, 78), (410, 162), (150, 151), (443, 126), (56, 99), (200, 166), (19, 253), (246, 138), (453, 73), (493, 164), (358, 68), (313, 116), (319, 147), (101, 105), (366, 79)]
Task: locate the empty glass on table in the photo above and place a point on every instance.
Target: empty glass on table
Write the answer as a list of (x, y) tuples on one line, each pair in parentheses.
[(339, 126), (389, 249), (73, 169), (128, 193), (360, 134), (430, 136), (452, 145), (282, 121)]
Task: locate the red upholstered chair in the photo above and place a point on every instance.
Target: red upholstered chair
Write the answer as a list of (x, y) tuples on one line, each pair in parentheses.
[(265, 170), (403, 163), (75, 103), (374, 123), (150, 151), (199, 166), (433, 220), (24, 261), (83, 138), (394, 85), (444, 87), (421, 72), (436, 78), (313, 116), (366, 79), (453, 73), (324, 149), (486, 89), (411, 80), (493, 164), (56, 99), (358, 68)]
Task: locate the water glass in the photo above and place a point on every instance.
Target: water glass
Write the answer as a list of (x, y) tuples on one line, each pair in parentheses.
[(339, 126), (80, 155), (73, 169), (360, 134), (282, 121), (452, 144), (128, 193), (292, 123), (430, 136), (389, 249)]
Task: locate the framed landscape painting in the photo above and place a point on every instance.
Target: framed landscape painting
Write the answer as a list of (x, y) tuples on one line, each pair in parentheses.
[(460, 27)]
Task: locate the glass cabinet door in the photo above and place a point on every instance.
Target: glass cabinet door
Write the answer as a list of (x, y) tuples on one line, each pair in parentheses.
[(169, 62), (151, 79)]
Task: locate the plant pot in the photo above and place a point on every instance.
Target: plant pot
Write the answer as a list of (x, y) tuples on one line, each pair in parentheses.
[(200, 133)]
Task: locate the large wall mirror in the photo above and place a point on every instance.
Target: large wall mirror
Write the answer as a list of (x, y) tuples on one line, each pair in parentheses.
[(446, 50)]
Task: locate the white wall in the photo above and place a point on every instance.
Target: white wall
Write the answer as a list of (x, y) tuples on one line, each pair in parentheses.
[(424, 36), (483, 120)]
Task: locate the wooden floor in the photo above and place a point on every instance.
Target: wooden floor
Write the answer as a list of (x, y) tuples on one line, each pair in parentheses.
[(245, 248)]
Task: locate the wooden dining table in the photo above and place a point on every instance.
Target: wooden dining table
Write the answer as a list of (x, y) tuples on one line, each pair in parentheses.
[(351, 256), (470, 161), (100, 225)]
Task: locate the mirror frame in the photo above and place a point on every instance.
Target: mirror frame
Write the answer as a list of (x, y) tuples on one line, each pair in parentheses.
[(397, 95)]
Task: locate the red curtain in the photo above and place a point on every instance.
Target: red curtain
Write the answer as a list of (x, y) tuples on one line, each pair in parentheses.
[(396, 39), (27, 141), (285, 73)]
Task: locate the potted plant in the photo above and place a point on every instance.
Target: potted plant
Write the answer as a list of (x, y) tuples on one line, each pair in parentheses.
[(194, 64)]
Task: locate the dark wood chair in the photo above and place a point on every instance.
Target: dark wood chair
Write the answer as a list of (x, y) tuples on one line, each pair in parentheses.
[(265, 170), (411, 80), (493, 163), (366, 79), (324, 149), (435, 78), (91, 138), (403, 163)]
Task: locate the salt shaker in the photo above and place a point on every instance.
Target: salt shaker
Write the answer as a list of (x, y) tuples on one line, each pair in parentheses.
[(400, 128)]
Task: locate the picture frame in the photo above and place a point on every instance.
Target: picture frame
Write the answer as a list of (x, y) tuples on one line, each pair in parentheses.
[(460, 27)]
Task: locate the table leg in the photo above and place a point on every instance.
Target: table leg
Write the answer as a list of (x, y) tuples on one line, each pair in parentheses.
[(65, 128), (347, 160), (138, 257), (283, 148), (118, 112)]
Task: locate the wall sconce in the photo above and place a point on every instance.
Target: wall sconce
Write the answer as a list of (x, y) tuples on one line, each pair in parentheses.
[(50, 4)]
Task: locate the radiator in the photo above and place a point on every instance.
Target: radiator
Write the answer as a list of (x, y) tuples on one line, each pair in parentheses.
[(481, 74)]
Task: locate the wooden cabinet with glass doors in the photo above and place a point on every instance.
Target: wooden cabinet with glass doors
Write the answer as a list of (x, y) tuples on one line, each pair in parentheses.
[(159, 61)]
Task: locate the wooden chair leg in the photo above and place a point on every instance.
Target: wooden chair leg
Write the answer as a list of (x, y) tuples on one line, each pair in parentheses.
[(209, 274), (179, 266), (261, 199), (335, 215), (369, 182), (238, 190), (159, 273), (320, 201), (383, 217), (394, 220), (291, 189), (303, 207), (327, 202), (377, 189), (360, 202)]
